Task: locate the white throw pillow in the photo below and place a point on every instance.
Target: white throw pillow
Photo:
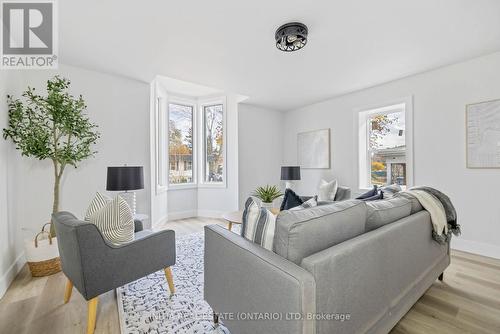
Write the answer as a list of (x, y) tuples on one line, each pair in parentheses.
[(258, 224), (112, 217), (327, 190), (312, 202)]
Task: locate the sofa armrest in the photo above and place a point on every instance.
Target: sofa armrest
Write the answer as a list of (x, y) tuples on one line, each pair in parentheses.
[(243, 279), (377, 276)]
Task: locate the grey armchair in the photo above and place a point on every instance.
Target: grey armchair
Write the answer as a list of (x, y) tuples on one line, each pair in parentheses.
[(93, 266)]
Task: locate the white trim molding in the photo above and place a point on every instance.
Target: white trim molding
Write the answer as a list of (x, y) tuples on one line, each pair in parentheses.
[(210, 213), (476, 247), (201, 142), (11, 273), (182, 214)]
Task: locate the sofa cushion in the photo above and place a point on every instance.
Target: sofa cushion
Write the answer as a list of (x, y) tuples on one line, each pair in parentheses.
[(343, 193), (301, 233), (258, 224), (384, 212), (415, 204), (290, 200)]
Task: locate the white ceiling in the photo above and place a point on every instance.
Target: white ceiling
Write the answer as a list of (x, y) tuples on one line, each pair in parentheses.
[(229, 44)]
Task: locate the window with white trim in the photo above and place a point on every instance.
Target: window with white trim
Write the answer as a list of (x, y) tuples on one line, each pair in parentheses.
[(384, 146), (180, 143), (213, 143)]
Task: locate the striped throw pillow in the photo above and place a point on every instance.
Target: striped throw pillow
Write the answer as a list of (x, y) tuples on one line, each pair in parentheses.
[(307, 204), (258, 224), (112, 217)]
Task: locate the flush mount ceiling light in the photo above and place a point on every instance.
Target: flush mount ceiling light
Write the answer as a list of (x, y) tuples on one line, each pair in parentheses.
[(291, 36)]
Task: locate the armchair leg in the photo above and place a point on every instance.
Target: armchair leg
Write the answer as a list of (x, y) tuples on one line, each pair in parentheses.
[(67, 292), (92, 315), (170, 280)]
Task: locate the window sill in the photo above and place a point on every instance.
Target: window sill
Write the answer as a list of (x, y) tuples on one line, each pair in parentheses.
[(212, 185), (182, 186)]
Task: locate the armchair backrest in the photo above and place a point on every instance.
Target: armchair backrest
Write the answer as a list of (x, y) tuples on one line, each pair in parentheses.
[(73, 236)]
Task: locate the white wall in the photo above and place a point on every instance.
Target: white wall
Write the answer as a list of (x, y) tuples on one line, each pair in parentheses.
[(260, 148), (213, 202), (439, 99), (120, 107), (11, 252)]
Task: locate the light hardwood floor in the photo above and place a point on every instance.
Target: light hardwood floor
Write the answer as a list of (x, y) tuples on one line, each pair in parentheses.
[(468, 301)]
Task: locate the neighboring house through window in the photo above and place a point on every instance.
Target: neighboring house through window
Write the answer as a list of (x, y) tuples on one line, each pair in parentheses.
[(187, 121), (385, 146), (180, 143)]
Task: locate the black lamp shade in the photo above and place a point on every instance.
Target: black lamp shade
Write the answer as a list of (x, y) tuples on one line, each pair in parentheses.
[(125, 178), (289, 173)]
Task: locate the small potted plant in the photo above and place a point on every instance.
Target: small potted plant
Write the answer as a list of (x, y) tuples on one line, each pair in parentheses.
[(267, 194), (53, 127)]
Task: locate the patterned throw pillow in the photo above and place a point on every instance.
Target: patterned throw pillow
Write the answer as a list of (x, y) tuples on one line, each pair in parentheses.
[(327, 190), (258, 224), (307, 204), (112, 217), (390, 190)]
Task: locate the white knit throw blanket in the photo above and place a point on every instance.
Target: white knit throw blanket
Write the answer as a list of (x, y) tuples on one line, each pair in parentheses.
[(435, 209)]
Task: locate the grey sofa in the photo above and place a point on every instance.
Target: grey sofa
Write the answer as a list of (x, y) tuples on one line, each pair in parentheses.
[(343, 194), (346, 267), (93, 266)]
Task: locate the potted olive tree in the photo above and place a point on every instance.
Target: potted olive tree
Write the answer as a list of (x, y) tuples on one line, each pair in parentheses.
[(53, 127)]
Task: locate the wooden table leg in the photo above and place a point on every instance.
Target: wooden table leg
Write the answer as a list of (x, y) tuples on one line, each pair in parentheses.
[(229, 226)]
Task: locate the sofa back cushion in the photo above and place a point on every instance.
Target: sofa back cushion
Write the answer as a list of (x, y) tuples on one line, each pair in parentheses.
[(380, 213), (415, 204), (301, 233)]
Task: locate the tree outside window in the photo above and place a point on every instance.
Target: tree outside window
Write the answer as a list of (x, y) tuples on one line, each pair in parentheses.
[(213, 117), (180, 143)]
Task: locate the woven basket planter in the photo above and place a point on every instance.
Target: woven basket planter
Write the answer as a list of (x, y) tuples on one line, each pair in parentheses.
[(42, 254)]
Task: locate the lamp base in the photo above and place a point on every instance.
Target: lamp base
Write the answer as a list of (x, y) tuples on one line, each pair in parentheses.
[(129, 197), (289, 185)]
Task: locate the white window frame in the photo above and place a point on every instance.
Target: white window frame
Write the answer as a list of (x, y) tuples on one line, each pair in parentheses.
[(201, 142), (160, 143), (362, 115), (189, 103)]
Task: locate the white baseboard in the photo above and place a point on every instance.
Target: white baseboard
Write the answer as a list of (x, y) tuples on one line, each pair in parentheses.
[(475, 247), (210, 213), (11, 273), (182, 214)]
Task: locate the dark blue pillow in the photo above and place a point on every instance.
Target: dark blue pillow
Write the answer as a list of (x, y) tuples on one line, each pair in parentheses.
[(369, 194), (290, 200), (379, 195)]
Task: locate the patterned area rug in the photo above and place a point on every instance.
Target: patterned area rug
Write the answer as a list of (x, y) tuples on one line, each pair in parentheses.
[(145, 306)]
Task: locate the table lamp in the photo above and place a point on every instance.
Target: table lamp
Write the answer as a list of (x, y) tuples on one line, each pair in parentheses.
[(124, 179), (290, 174)]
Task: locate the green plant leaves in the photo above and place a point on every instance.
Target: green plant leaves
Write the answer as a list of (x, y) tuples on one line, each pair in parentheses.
[(267, 193), (51, 127)]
